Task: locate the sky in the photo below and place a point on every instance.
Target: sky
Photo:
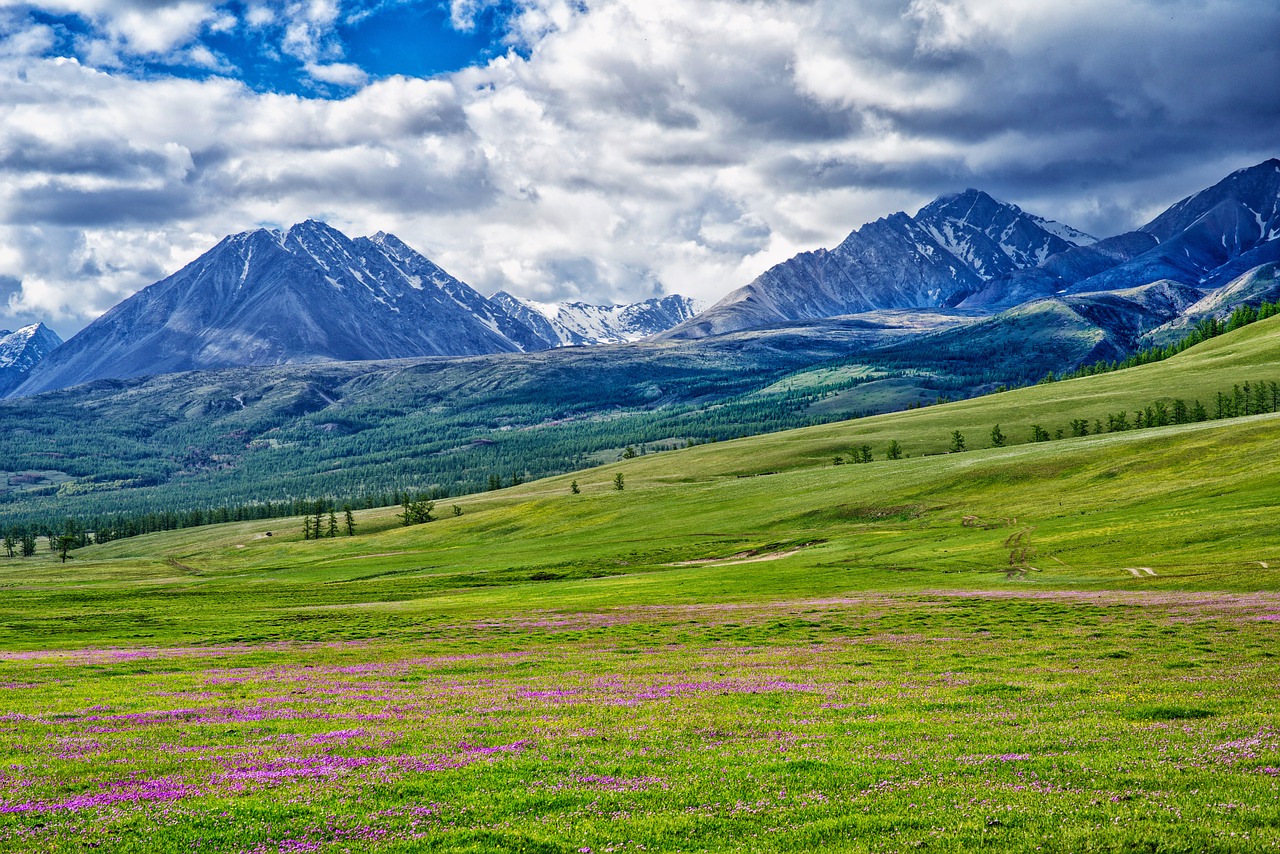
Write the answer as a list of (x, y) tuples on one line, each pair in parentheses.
[(599, 150)]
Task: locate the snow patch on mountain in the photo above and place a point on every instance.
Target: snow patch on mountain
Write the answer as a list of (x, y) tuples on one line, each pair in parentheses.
[(22, 350), (578, 323)]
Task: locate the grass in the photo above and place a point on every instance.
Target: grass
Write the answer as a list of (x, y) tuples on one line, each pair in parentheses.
[(1063, 646)]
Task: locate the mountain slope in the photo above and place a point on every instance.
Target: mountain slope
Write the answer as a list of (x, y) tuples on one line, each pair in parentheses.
[(1261, 284), (22, 351), (1201, 238), (936, 259), (265, 297)]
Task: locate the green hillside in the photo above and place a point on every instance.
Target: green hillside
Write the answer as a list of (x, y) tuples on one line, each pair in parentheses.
[(1066, 645), (1189, 502), (357, 431)]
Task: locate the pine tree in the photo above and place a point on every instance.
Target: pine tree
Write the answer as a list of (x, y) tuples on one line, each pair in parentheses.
[(997, 437), (332, 530), (350, 520), (574, 488), (895, 451), (957, 441), (618, 482), (457, 510)]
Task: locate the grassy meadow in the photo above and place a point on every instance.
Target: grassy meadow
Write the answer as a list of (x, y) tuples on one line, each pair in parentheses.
[(1067, 645)]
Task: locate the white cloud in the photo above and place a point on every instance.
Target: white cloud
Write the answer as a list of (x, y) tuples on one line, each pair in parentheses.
[(629, 145), (340, 73)]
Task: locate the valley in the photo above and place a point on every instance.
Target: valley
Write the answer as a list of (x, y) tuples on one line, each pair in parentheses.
[(1065, 645)]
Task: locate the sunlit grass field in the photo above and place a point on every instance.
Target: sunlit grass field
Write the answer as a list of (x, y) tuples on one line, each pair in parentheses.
[(1064, 646)]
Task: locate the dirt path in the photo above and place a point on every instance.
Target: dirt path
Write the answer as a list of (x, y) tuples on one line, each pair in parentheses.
[(740, 557), (1137, 571)]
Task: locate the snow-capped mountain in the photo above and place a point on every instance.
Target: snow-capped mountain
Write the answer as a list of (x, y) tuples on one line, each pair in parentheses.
[(269, 297), (1206, 240), (944, 254), (1209, 238), (22, 350), (310, 294), (995, 238), (573, 323)]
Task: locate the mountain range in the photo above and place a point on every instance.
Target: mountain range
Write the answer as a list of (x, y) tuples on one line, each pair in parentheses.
[(311, 294), (970, 251)]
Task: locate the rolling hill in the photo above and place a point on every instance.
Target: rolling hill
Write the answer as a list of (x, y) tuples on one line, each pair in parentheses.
[(1187, 502)]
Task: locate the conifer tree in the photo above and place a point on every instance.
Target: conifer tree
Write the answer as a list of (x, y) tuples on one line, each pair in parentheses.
[(957, 441), (350, 520), (894, 452), (997, 437), (618, 482)]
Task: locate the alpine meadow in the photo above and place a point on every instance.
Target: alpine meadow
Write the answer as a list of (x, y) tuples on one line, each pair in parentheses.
[(1062, 645), (603, 426)]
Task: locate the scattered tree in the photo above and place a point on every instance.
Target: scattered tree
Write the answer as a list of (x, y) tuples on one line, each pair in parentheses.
[(618, 482), (332, 530), (957, 441), (574, 489), (629, 453), (350, 520), (997, 437), (895, 451), (417, 510), (457, 510)]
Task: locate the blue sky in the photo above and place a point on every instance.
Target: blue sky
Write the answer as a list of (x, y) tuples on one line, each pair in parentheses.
[(599, 150), (381, 38)]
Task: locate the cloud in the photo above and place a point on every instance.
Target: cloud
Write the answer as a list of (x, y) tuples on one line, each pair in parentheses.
[(618, 147), (340, 73)]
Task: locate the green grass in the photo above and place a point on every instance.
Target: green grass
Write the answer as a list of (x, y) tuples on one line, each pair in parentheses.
[(1064, 646)]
